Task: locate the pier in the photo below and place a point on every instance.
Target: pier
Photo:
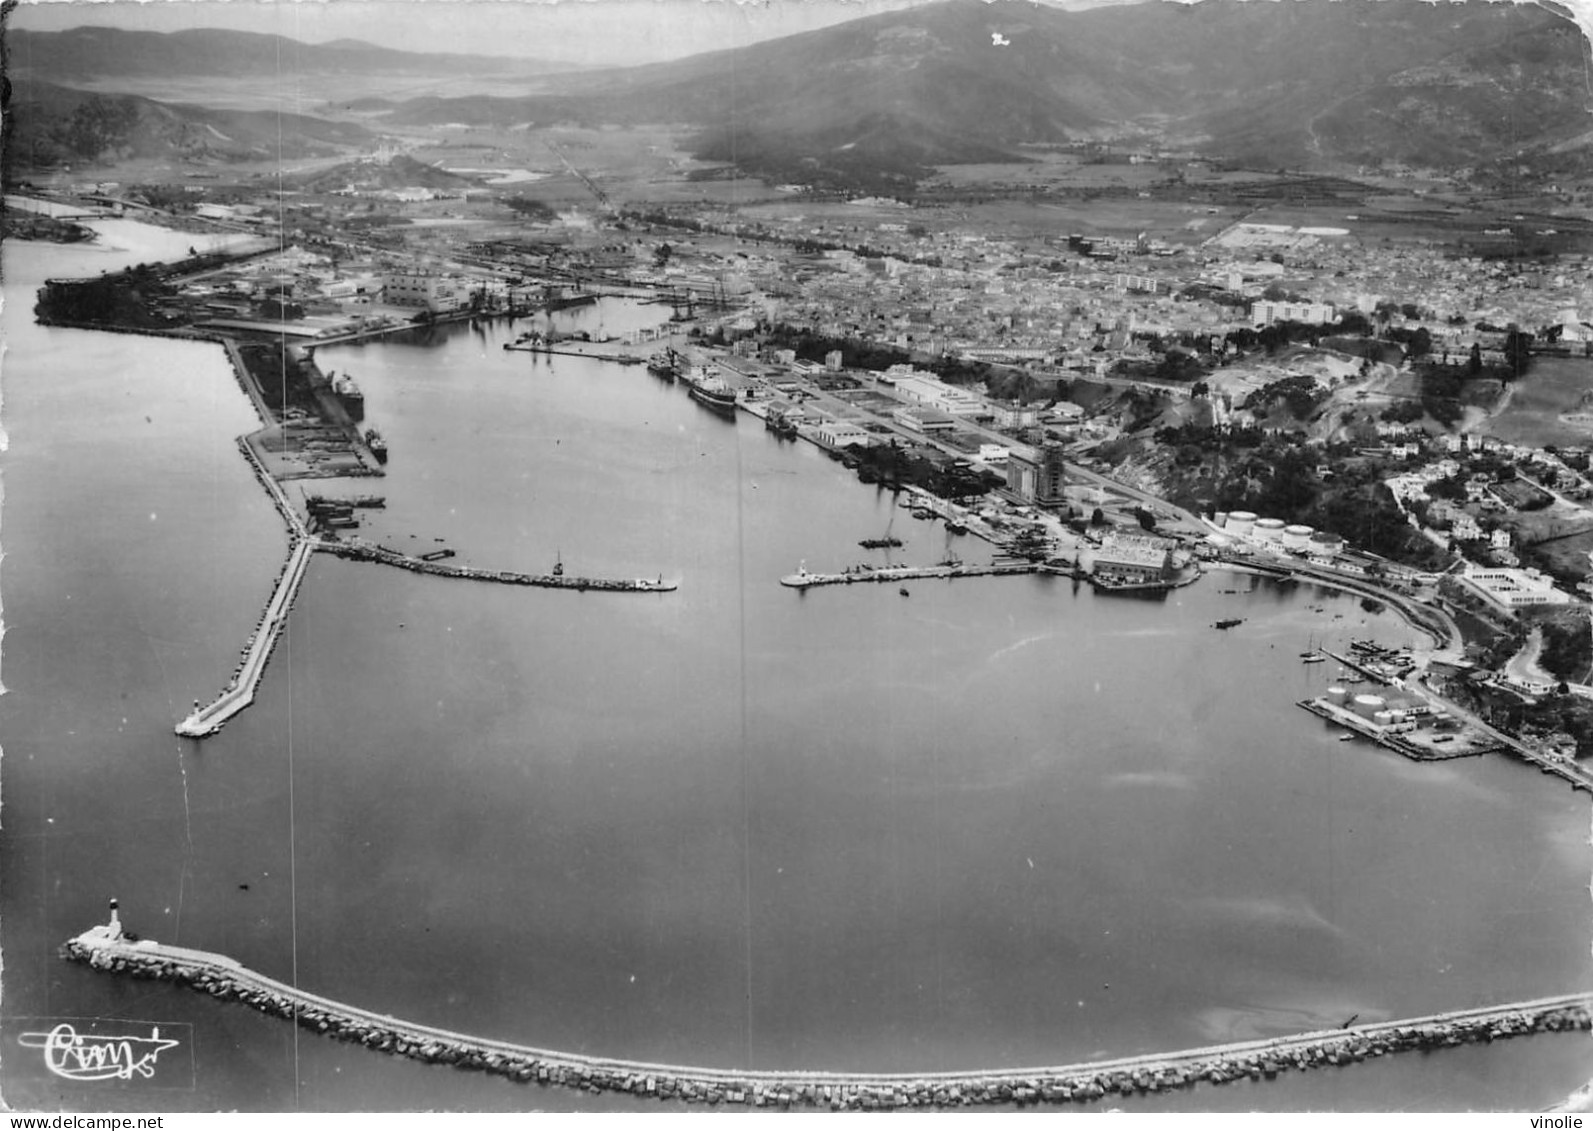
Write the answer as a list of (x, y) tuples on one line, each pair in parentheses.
[(1375, 674), (1349, 720), (239, 693), (621, 358), (107, 948), (362, 551), (802, 579)]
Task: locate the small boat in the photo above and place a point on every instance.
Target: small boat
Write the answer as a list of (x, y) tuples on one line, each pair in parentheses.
[(903, 591), (1345, 737), (1313, 659), (662, 364), (1228, 623)]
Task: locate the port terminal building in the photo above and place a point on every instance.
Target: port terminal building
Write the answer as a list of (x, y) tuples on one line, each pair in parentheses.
[(1133, 559)]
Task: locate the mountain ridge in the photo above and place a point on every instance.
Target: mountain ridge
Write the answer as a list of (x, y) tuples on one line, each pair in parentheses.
[(882, 100), (959, 81), (100, 52)]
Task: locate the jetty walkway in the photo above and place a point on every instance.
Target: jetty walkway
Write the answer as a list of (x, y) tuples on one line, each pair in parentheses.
[(108, 949), (239, 693), (555, 351), (802, 579), (357, 549)]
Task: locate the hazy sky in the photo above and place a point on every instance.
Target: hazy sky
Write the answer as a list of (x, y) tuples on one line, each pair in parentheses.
[(596, 31)]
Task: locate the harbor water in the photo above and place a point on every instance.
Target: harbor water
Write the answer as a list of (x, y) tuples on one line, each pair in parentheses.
[(995, 822)]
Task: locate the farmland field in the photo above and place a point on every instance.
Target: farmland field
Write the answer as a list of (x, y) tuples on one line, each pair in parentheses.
[(1552, 386)]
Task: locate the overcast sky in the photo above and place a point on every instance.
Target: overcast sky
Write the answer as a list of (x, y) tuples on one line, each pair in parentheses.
[(596, 31)]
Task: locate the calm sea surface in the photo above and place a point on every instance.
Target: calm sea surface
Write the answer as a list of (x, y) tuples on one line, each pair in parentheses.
[(997, 822)]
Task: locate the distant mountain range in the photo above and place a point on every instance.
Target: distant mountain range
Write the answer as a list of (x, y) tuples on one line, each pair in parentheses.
[(882, 99), (1291, 83), (97, 53), (49, 125)]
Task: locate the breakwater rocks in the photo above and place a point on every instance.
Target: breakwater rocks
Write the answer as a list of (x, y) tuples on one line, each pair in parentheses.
[(279, 500), (361, 551), (802, 579), (181, 333), (240, 689), (104, 948)]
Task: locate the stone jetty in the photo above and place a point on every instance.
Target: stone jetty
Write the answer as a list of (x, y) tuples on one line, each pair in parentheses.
[(108, 949), (239, 692), (362, 551)]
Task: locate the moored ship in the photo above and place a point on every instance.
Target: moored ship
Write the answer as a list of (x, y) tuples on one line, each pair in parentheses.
[(662, 364), (377, 445), (714, 393), (708, 388), (780, 424), (350, 395)]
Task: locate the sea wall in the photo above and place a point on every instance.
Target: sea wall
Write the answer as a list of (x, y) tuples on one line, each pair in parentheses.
[(240, 689), (366, 552), (225, 980)]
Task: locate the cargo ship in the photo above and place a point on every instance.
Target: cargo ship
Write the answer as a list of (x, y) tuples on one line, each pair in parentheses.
[(707, 388), (377, 445), (714, 393), (350, 395)]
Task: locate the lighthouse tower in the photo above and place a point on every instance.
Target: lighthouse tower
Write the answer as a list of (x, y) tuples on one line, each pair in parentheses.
[(116, 920)]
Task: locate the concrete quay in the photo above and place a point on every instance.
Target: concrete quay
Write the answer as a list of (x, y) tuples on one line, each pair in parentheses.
[(621, 358), (108, 949), (802, 579), (1351, 721), (362, 551)]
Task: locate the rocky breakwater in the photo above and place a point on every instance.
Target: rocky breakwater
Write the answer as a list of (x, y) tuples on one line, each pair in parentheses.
[(362, 551), (106, 948), (240, 689), (272, 488)]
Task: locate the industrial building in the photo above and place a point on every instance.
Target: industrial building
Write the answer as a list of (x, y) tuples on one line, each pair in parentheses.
[(936, 394), (924, 420), (839, 434), (1513, 588), (1133, 559), (439, 294), (1037, 475)]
